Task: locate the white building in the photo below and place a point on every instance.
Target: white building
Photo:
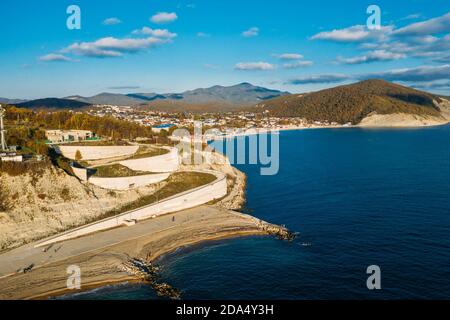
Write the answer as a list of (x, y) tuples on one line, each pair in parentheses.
[(11, 157), (59, 136)]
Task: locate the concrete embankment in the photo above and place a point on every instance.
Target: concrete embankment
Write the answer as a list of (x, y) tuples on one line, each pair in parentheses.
[(96, 152), (127, 183), (189, 199), (101, 256), (168, 162)]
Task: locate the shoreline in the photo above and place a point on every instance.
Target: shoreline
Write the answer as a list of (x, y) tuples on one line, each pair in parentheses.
[(132, 278), (101, 267), (101, 255), (361, 125)]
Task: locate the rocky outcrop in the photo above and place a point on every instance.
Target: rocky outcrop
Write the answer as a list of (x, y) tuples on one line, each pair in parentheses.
[(149, 273), (52, 202), (236, 179), (444, 106), (401, 120)]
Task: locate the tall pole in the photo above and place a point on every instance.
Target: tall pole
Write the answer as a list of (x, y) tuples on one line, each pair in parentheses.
[(2, 129)]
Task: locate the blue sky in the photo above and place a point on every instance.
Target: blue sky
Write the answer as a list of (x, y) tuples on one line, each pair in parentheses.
[(171, 46)]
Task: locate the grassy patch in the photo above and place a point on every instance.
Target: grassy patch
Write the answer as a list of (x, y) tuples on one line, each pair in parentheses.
[(147, 152), (116, 171), (177, 183), (33, 168), (99, 143)]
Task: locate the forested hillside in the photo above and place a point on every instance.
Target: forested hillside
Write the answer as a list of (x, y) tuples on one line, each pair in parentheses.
[(352, 103)]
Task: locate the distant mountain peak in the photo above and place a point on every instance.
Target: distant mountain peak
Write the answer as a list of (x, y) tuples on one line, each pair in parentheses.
[(226, 97), (240, 94), (53, 103), (245, 84)]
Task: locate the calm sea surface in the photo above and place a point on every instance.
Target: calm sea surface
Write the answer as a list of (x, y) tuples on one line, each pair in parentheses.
[(357, 198)]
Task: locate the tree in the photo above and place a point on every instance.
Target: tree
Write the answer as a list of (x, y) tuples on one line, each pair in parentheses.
[(78, 155)]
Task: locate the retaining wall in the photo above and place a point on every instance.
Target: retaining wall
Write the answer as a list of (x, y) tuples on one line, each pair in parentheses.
[(96, 153), (127, 183), (80, 173), (169, 162), (189, 199)]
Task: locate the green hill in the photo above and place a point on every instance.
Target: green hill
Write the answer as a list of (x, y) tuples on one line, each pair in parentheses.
[(53, 103), (352, 103)]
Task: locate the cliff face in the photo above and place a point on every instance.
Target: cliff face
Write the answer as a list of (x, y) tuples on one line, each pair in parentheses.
[(236, 179), (35, 206), (38, 205), (444, 106)]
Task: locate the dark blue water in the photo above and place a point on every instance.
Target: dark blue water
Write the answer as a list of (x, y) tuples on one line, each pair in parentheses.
[(358, 197)]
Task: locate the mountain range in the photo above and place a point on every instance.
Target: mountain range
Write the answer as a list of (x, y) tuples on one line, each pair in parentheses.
[(52, 103), (11, 101), (342, 104), (241, 94), (214, 99)]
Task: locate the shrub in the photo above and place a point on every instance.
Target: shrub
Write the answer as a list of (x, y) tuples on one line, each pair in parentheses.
[(18, 168), (78, 155), (65, 194), (5, 203), (112, 194)]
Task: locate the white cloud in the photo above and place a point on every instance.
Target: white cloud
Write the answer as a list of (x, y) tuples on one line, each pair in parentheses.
[(159, 33), (422, 74), (425, 47), (412, 16), (298, 64), (419, 74), (252, 32), (164, 17), (432, 26), (53, 57), (322, 78), (247, 66), (210, 66), (374, 56), (203, 35), (429, 39), (290, 56), (111, 21), (434, 85), (123, 88), (113, 47), (444, 58), (356, 33)]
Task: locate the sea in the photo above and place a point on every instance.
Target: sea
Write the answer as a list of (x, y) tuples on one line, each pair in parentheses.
[(357, 198)]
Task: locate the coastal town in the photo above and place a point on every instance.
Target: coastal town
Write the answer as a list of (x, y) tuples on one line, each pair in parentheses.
[(239, 120)]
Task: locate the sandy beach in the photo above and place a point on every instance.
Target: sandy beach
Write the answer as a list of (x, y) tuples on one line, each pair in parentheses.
[(398, 120), (101, 255)]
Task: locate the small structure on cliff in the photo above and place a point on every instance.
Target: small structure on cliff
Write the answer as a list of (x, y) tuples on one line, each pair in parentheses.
[(2, 129), (60, 136)]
